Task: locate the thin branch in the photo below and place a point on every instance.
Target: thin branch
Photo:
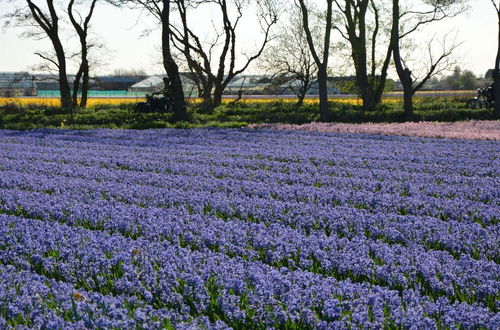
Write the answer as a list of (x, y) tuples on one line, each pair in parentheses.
[(48, 59)]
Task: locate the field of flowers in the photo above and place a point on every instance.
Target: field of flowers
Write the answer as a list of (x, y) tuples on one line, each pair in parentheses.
[(391, 98), (469, 130), (247, 229), (55, 102)]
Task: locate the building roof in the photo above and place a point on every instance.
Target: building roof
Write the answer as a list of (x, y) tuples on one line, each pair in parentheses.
[(155, 82), (16, 80)]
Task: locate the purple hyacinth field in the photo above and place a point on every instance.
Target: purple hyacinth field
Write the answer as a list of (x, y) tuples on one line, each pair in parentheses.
[(212, 228)]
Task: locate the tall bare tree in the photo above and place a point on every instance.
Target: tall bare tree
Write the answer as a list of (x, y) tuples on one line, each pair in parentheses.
[(214, 63), (162, 11), (361, 27), (42, 15), (81, 27), (496, 71), (320, 53), (408, 21), (289, 60)]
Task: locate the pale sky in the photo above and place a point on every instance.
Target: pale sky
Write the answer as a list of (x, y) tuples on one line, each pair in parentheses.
[(120, 30)]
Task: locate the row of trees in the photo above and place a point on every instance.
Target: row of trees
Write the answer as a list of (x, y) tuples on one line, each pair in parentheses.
[(296, 43), (458, 79)]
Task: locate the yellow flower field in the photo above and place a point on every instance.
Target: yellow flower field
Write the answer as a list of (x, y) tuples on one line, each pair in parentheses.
[(388, 99), (53, 101)]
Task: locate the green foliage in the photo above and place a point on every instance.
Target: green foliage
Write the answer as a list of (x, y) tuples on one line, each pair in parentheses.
[(234, 115)]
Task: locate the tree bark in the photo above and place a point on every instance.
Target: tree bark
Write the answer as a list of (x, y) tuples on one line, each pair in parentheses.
[(63, 76), (177, 92), (208, 103), (76, 87), (83, 76), (355, 14), (300, 100), (370, 86), (51, 28), (323, 94), (302, 91), (404, 74), (408, 100), (216, 101), (85, 84), (83, 71), (496, 73), (496, 91), (218, 91), (322, 63)]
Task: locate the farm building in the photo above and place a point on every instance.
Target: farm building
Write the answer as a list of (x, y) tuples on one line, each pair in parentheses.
[(17, 84), (150, 84)]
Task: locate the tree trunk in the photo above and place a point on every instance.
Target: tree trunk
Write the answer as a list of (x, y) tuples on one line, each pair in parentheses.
[(408, 101), (301, 96), (63, 77), (323, 94), (357, 39), (404, 74), (300, 101), (76, 86), (51, 28), (322, 64), (217, 99), (379, 90), (496, 91), (83, 71), (85, 84), (496, 73), (84, 68), (179, 106), (208, 103), (367, 96), (364, 86), (81, 76)]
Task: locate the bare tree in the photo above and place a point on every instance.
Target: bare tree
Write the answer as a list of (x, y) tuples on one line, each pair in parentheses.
[(162, 10), (362, 23), (213, 63), (33, 15), (289, 59), (320, 54), (81, 27), (44, 22), (407, 21), (496, 71)]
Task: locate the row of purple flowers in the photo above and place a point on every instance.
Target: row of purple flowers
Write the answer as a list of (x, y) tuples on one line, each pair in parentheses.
[(218, 228)]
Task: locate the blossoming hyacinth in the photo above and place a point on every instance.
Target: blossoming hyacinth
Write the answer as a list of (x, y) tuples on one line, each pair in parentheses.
[(247, 229)]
